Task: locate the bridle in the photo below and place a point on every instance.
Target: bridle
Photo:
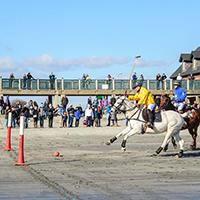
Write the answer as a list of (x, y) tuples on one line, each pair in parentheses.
[(130, 109), (166, 101)]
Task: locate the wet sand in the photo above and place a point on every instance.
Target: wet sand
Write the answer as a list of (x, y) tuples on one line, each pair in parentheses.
[(88, 169)]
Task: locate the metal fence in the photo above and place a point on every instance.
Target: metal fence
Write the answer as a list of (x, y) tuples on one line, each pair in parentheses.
[(93, 84)]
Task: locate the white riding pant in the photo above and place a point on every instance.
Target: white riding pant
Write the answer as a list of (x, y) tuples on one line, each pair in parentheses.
[(180, 105), (151, 107)]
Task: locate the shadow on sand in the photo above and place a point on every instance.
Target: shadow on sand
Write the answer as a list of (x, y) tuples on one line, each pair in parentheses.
[(187, 153)]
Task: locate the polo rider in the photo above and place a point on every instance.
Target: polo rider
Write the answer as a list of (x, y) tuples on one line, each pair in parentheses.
[(144, 97), (179, 96)]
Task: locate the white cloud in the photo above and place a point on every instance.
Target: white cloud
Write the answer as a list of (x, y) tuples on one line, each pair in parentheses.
[(6, 64), (44, 64), (50, 63)]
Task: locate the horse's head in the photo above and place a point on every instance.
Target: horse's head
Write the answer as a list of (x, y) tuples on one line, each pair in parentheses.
[(119, 104), (164, 100)]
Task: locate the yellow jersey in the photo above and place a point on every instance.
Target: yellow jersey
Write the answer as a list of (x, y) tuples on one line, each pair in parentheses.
[(144, 97)]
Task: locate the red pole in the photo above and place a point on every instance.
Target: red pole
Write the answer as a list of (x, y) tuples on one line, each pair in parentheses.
[(20, 160), (8, 139)]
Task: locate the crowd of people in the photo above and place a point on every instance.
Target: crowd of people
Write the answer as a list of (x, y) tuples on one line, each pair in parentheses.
[(160, 81), (68, 115), (136, 79), (26, 80), (96, 108)]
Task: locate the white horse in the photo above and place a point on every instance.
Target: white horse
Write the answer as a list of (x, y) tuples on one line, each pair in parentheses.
[(172, 123)]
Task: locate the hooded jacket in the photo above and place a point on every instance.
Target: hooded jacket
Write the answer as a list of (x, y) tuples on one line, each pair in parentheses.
[(179, 94), (144, 97)]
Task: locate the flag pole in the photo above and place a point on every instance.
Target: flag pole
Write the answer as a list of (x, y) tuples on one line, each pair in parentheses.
[(133, 66)]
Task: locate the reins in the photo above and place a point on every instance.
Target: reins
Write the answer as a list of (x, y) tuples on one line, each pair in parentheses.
[(131, 109)]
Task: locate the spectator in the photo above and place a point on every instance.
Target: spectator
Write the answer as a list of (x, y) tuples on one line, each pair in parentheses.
[(90, 101), (1, 105), (191, 81), (12, 77), (141, 79), (64, 102), (113, 116), (101, 103), (163, 78), (97, 115), (65, 117), (109, 81), (105, 101), (83, 81), (179, 78), (87, 81), (77, 115), (35, 116), (41, 115), (95, 102), (7, 110), (7, 101), (70, 112), (158, 81), (24, 81), (134, 79), (14, 117), (108, 114), (26, 113), (50, 115), (88, 115), (29, 78), (52, 78), (61, 111)]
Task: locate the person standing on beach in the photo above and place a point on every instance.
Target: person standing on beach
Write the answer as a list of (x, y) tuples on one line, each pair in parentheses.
[(41, 115), (50, 115), (70, 112)]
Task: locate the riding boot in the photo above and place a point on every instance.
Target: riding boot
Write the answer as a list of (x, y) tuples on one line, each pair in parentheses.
[(150, 119)]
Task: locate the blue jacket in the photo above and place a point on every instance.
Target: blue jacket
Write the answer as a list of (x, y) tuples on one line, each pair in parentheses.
[(179, 94), (77, 114)]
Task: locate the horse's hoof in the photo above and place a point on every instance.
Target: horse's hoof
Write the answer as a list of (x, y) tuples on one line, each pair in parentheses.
[(192, 147), (175, 146), (108, 143), (123, 149), (180, 154)]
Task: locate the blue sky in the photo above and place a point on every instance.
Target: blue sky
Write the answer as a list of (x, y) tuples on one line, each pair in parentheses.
[(97, 37)]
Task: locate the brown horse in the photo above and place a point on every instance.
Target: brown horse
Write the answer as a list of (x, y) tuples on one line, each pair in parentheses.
[(192, 120)]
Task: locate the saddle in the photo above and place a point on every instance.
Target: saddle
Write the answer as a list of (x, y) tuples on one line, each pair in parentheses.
[(156, 115)]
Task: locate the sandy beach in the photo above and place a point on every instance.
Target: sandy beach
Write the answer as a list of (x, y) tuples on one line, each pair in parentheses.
[(88, 169)]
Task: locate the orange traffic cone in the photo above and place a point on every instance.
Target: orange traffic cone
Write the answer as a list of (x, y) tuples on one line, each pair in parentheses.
[(20, 161), (8, 138)]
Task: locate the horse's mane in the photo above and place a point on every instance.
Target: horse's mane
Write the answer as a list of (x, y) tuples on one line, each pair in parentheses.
[(168, 103)]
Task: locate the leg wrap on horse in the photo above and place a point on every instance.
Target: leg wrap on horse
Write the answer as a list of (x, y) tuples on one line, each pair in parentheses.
[(166, 147), (150, 118), (174, 143), (123, 144), (159, 150), (113, 139)]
